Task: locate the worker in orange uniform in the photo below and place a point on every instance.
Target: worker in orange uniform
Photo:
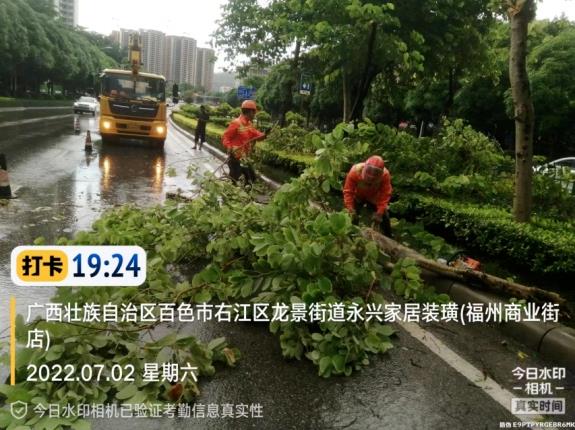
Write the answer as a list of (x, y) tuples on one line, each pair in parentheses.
[(369, 184), (238, 139)]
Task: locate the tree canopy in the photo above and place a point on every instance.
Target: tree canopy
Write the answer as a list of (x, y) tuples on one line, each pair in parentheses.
[(36, 47), (415, 60)]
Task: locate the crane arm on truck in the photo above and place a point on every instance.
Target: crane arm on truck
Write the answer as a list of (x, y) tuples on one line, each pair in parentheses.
[(135, 53)]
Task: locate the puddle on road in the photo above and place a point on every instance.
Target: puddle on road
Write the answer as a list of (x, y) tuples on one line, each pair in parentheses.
[(61, 189)]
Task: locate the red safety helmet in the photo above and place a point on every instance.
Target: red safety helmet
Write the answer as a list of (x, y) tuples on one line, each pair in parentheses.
[(249, 104), (373, 168)]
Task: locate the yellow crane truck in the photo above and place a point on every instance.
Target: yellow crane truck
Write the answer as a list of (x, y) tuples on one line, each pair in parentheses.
[(132, 103)]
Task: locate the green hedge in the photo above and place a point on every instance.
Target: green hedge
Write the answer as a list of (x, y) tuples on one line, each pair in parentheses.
[(293, 162), (543, 246), (213, 132)]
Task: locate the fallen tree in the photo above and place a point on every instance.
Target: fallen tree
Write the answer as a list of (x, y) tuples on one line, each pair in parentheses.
[(469, 277)]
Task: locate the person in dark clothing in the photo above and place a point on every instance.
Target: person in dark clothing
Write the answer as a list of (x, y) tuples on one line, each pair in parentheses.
[(203, 118)]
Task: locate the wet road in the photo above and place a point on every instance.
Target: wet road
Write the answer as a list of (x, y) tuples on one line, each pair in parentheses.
[(62, 190)]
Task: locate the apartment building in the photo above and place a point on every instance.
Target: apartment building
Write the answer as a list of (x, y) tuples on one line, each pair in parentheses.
[(68, 11), (178, 58), (122, 37), (205, 59), (153, 51)]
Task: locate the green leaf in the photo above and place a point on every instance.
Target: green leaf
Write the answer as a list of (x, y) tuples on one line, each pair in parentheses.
[(55, 423), (314, 355), (246, 290), (338, 222), (274, 326), (163, 356), (338, 363), (15, 393), (203, 296), (318, 337), (372, 341), (317, 248), (40, 241), (217, 343), (325, 285), (324, 364), (127, 392), (296, 299), (384, 330), (139, 397), (325, 186), (323, 165), (385, 346), (81, 425), (5, 418), (211, 274)]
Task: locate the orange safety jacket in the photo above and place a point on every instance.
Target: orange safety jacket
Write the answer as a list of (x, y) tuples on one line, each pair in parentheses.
[(356, 189), (238, 134)]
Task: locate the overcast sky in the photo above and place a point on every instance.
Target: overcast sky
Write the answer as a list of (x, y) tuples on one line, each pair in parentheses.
[(197, 18)]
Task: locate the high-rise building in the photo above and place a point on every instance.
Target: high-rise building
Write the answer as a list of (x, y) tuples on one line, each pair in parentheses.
[(180, 59), (171, 60), (205, 60), (124, 37), (153, 51), (68, 11), (188, 58), (176, 57), (115, 36)]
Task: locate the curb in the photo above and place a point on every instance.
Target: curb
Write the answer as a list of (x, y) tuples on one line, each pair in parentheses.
[(553, 341), (219, 154)]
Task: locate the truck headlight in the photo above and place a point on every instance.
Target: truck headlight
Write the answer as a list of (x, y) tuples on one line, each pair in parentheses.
[(160, 129), (107, 125)]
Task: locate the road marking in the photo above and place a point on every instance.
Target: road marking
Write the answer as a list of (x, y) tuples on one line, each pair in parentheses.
[(28, 121), (474, 375)]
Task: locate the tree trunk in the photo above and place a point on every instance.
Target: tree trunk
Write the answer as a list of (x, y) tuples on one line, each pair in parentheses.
[(451, 90), (468, 277), (366, 78), (346, 96), (520, 14), (291, 83)]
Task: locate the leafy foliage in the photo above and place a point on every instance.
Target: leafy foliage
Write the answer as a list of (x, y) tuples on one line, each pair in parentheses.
[(293, 138), (36, 47), (543, 245), (240, 251), (553, 95)]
